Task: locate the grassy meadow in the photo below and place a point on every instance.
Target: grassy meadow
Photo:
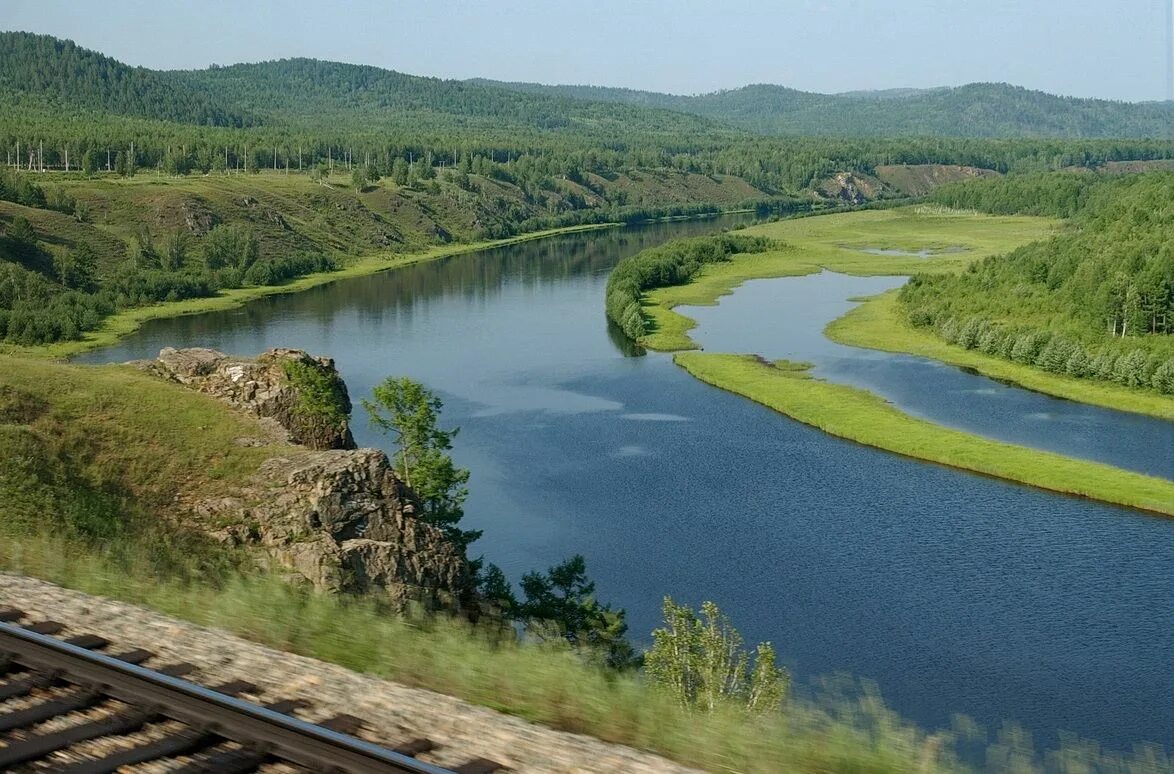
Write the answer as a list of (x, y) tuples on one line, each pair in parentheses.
[(837, 242)]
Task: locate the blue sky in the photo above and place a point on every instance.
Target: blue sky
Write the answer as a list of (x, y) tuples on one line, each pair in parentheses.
[(1114, 49)]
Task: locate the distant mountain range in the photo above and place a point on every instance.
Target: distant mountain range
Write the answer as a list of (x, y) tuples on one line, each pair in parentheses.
[(973, 110), (61, 74)]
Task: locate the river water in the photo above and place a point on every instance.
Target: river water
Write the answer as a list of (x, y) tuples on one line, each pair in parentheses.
[(955, 593), (784, 318)]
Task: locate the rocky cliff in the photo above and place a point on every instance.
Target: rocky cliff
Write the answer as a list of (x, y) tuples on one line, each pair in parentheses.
[(331, 515), (304, 395)]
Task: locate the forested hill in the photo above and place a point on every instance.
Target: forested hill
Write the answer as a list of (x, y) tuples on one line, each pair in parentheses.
[(40, 69), (309, 91), (974, 110), (1095, 302), (304, 93), (67, 75)]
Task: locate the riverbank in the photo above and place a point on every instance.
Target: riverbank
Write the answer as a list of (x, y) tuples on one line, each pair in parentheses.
[(858, 415), (878, 324), (127, 321), (878, 243)]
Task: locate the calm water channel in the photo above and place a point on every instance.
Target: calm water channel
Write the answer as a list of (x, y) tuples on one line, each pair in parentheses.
[(785, 317), (953, 592)]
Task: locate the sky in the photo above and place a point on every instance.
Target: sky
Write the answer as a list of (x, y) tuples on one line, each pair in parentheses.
[(1114, 49)]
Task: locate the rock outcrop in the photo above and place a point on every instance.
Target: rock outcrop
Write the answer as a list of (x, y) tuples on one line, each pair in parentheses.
[(343, 521), (303, 394), (849, 187), (329, 515)]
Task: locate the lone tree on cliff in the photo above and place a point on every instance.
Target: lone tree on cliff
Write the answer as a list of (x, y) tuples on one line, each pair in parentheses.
[(409, 411)]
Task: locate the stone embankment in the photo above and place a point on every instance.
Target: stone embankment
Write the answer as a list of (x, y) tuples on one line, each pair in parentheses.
[(322, 511), (392, 713)]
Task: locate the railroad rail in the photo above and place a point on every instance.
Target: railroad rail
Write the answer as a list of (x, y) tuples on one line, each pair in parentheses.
[(61, 698)]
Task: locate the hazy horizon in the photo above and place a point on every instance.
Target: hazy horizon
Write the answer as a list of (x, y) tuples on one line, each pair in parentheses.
[(1116, 51)]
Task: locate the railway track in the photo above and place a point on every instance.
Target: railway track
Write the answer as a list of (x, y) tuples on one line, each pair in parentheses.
[(79, 704)]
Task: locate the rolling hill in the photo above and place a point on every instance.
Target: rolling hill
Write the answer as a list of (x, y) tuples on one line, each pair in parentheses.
[(40, 69), (973, 110)]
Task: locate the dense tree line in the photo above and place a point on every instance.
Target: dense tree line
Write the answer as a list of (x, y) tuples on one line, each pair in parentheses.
[(33, 137), (1094, 302), (1057, 195), (671, 264), (311, 113), (53, 293)]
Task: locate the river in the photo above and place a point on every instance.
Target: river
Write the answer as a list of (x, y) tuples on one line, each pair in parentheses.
[(953, 592)]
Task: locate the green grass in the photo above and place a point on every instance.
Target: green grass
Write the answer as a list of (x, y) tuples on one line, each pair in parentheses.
[(879, 324), (833, 242), (121, 429), (860, 416)]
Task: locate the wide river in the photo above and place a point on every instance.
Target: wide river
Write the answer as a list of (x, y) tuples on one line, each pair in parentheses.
[(955, 593)]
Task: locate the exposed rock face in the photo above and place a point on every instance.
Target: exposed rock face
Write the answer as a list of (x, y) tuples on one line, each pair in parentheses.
[(313, 414), (333, 516), (343, 521), (849, 187), (198, 219)]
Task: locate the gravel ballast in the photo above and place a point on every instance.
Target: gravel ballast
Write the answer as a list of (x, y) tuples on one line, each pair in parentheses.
[(392, 713)]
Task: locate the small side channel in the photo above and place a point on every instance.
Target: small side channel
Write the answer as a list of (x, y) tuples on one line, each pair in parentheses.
[(784, 319)]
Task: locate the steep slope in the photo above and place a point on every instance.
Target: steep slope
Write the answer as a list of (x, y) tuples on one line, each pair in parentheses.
[(973, 110)]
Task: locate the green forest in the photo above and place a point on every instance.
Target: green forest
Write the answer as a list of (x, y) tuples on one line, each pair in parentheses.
[(670, 264), (973, 110), (1096, 301)]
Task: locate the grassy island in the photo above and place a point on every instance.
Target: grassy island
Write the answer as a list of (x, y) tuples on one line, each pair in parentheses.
[(860, 416), (898, 241)]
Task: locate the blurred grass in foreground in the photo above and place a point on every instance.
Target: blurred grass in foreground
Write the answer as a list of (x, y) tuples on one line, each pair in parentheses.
[(835, 725)]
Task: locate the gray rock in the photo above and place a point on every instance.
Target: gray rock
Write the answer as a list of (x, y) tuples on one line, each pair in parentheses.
[(344, 521), (263, 388), (328, 515)]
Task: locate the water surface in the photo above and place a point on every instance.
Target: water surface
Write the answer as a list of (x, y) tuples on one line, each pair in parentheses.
[(954, 592), (783, 318)]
